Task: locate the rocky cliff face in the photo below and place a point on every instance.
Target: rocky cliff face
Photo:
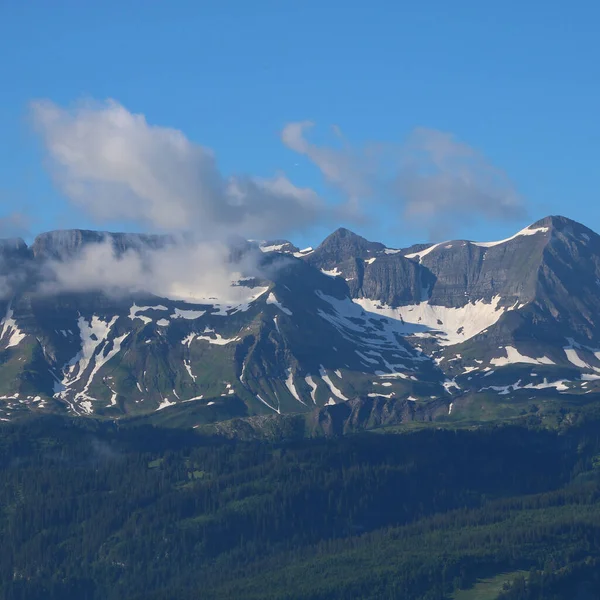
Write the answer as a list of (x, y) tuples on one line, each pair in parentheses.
[(67, 243), (371, 270), (12, 248), (355, 331), (336, 420), (288, 343)]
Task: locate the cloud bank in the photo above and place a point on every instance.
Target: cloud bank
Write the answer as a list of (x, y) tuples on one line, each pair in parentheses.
[(117, 167), (181, 270), (353, 171), (431, 180)]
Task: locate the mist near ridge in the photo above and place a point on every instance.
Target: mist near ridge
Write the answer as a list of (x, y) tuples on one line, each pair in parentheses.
[(180, 268)]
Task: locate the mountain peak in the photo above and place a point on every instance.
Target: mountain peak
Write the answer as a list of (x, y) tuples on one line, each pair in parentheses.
[(352, 319), (346, 240), (342, 231), (559, 223), (13, 248), (12, 244)]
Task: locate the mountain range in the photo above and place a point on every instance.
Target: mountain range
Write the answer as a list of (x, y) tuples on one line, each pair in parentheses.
[(451, 330)]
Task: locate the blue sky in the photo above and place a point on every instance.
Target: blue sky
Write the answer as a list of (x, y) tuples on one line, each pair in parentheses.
[(518, 81)]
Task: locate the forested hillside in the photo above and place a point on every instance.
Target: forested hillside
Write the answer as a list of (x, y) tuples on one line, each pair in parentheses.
[(93, 510)]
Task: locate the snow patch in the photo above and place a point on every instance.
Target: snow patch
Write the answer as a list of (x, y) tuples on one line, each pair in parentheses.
[(560, 385), (503, 390), (423, 253), (313, 387), (289, 383), (188, 339), (449, 384), (590, 377), (332, 273), (244, 303), (188, 368), (273, 300), (304, 252), (267, 404), (94, 345), (164, 404), (273, 248), (335, 391), (135, 310), (371, 333), (395, 376), (11, 330), (218, 339), (574, 359), (195, 398), (190, 315), (526, 231), (513, 356), (449, 325)]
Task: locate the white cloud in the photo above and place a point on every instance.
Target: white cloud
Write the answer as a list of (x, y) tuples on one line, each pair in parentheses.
[(184, 270), (432, 179), (350, 170), (117, 167), (443, 183)]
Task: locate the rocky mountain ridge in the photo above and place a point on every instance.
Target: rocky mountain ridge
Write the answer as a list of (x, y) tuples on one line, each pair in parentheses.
[(453, 324)]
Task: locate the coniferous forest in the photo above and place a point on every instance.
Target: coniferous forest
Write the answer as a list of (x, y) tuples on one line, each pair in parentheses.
[(92, 510)]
